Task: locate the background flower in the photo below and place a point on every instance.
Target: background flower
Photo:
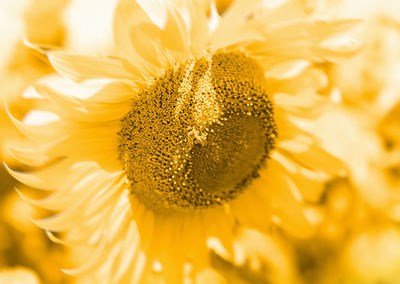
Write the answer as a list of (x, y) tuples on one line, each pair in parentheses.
[(366, 90)]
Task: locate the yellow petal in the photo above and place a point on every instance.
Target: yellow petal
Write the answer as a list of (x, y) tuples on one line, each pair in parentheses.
[(233, 28), (175, 35), (199, 28), (128, 16), (84, 67)]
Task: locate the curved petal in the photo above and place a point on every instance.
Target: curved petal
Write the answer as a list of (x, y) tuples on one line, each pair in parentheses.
[(129, 15), (234, 27), (279, 191), (84, 67)]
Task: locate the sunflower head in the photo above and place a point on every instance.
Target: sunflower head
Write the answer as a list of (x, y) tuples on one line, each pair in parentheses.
[(198, 135)]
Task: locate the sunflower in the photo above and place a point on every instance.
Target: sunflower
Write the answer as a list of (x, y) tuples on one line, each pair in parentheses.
[(190, 130)]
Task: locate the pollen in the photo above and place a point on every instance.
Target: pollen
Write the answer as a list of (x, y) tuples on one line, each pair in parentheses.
[(198, 135)]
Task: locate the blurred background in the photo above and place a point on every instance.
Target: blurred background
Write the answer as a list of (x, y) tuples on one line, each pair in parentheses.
[(357, 218)]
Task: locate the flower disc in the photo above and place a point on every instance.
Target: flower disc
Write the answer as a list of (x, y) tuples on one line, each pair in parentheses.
[(199, 134)]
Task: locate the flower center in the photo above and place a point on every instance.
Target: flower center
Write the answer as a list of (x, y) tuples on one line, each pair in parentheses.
[(198, 135)]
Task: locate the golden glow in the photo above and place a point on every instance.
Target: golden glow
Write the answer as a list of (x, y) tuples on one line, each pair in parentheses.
[(209, 141), (18, 275)]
